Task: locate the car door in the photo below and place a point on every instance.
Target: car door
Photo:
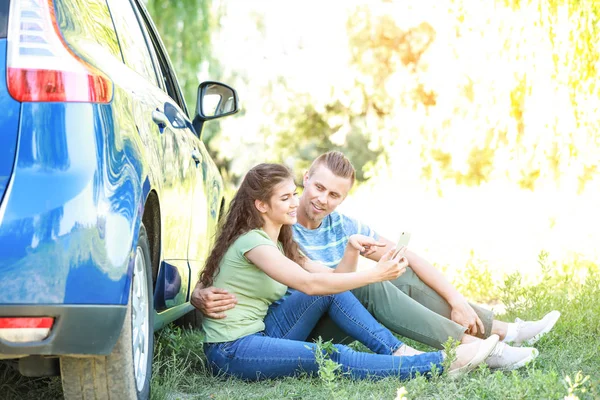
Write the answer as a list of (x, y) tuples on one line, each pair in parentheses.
[(208, 186), (159, 116), (205, 209)]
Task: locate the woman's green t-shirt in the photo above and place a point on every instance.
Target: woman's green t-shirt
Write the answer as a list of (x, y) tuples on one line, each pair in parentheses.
[(255, 291)]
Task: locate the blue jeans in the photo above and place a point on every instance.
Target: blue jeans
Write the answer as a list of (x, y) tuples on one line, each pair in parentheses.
[(281, 351)]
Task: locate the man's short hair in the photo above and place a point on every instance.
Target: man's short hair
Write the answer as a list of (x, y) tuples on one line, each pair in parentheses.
[(336, 162)]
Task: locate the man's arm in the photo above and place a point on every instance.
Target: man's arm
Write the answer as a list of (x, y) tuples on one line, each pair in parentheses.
[(462, 313), (212, 301), (364, 244)]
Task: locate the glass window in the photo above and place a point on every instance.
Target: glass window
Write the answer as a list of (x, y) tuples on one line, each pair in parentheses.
[(86, 26), (132, 40), (165, 67), (3, 18)]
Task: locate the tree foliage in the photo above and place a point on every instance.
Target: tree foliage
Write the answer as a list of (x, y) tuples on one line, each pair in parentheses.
[(493, 90), (185, 27)]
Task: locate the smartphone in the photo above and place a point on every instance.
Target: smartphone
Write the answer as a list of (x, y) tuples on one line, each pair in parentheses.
[(403, 241)]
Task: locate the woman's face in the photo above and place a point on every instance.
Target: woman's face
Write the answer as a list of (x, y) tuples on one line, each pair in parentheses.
[(283, 204)]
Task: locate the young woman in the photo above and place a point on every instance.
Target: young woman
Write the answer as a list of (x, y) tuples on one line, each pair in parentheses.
[(256, 258)]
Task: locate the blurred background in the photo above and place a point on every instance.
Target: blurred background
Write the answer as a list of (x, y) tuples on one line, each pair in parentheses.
[(472, 124)]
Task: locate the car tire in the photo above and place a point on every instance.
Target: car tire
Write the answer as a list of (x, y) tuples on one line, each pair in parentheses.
[(126, 372)]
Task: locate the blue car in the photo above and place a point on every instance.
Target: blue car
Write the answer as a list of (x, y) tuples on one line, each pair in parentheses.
[(109, 198)]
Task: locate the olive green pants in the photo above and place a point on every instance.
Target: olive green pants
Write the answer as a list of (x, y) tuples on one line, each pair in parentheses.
[(408, 307)]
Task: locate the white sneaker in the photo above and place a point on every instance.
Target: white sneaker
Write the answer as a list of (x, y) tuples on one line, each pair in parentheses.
[(506, 358), (485, 347), (529, 332)]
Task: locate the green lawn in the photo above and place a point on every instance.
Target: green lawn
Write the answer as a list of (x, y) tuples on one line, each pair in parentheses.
[(569, 355)]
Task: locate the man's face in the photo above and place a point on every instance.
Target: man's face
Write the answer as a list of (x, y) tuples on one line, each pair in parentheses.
[(323, 192)]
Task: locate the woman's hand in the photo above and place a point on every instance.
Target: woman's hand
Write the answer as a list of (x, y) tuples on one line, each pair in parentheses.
[(364, 244), (389, 267)]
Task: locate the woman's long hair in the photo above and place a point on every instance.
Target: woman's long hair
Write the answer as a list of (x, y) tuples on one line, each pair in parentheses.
[(242, 217)]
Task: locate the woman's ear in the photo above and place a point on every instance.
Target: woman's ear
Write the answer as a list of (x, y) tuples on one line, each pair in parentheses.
[(261, 206)]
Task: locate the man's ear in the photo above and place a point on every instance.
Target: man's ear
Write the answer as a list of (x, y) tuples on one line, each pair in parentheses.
[(261, 206), (305, 179)]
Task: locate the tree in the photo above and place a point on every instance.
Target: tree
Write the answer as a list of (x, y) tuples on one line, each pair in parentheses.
[(185, 27), (504, 90)]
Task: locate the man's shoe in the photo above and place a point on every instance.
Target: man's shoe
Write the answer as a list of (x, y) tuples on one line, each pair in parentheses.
[(484, 350), (506, 358), (529, 332)]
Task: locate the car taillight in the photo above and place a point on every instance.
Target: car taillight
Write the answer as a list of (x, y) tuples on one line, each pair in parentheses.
[(25, 329), (40, 65)]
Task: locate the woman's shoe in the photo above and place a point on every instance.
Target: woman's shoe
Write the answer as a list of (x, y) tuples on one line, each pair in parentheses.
[(485, 348)]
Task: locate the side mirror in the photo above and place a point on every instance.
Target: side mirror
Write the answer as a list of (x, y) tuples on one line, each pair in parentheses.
[(216, 100)]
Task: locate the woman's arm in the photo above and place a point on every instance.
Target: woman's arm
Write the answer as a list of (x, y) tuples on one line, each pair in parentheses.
[(316, 267), (283, 270)]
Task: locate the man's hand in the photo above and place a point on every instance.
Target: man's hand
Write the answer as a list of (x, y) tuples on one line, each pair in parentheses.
[(212, 301), (364, 244), (463, 314)]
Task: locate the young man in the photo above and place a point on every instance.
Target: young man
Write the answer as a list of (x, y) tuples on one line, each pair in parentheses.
[(421, 304)]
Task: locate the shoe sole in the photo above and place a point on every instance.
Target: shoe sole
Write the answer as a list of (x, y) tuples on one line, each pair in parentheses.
[(520, 363), (486, 348), (553, 318)]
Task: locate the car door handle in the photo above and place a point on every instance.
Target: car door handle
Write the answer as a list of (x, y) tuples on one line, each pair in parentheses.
[(160, 119), (197, 156)]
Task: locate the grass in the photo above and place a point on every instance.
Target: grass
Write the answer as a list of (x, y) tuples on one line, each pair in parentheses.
[(566, 368)]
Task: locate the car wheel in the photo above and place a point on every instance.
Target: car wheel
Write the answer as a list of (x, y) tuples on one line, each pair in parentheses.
[(126, 372)]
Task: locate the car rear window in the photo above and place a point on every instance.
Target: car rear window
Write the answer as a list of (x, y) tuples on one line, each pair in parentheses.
[(87, 27), (3, 18)]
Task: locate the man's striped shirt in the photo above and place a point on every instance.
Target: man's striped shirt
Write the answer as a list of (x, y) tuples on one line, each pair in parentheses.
[(327, 243)]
